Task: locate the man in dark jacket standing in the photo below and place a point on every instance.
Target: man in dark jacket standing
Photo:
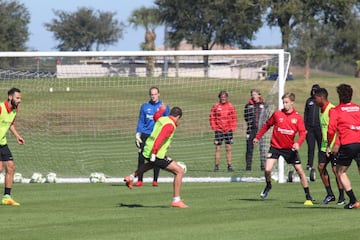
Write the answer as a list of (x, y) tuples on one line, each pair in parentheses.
[(312, 125), (256, 113)]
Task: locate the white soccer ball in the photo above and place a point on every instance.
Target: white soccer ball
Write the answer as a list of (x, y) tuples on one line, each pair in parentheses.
[(51, 178), (36, 178), (97, 177), (18, 178), (183, 165)]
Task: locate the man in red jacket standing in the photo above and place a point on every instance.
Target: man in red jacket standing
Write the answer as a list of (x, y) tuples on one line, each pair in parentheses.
[(223, 122), (345, 121), (287, 123)]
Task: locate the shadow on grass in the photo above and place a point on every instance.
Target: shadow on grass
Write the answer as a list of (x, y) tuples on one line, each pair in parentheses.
[(315, 206), (134, 205), (253, 199)]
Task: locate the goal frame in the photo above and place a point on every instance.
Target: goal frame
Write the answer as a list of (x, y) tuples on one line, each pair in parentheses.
[(282, 70)]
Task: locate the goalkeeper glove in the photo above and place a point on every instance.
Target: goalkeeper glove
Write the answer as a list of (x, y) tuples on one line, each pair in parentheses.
[(138, 140), (153, 157)]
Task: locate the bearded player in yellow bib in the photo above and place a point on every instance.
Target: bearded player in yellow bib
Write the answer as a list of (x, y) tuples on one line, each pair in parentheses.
[(155, 149), (8, 110)]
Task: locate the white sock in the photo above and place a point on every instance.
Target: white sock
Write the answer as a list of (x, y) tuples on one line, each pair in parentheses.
[(132, 177), (176, 199)]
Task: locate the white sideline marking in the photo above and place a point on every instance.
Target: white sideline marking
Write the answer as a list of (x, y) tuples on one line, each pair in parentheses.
[(164, 180)]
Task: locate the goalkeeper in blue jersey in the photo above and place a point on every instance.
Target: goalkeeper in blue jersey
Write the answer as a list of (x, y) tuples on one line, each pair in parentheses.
[(144, 128)]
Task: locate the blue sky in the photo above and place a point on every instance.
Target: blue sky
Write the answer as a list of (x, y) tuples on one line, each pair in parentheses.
[(41, 11)]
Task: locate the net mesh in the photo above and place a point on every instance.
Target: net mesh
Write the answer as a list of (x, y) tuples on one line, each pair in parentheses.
[(78, 114)]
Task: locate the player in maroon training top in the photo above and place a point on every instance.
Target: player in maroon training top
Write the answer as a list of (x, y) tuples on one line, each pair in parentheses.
[(345, 121), (287, 124)]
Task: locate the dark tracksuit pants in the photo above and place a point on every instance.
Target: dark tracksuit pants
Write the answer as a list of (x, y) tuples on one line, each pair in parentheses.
[(250, 150)]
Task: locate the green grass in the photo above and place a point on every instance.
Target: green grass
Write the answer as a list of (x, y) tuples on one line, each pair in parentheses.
[(216, 211)]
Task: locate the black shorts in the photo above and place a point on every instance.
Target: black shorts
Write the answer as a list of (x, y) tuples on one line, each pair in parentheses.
[(5, 153), (326, 159), (357, 160), (160, 162), (290, 156), (347, 153), (227, 137)]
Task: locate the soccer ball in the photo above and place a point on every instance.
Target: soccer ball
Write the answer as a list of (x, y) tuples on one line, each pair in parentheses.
[(97, 177), (36, 178), (51, 178), (18, 178), (183, 165)]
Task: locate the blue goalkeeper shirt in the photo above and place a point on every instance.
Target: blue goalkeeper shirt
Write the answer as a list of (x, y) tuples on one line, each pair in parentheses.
[(146, 116)]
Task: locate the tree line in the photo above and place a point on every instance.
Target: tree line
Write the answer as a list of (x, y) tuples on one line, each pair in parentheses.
[(319, 33)]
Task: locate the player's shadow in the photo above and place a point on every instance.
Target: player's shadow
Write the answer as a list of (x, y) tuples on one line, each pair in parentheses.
[(300, 205), (252, 199), (134, 205)]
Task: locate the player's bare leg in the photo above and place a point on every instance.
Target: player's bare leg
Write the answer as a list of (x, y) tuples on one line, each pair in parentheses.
[(341, 172), (10, 168), (341, 199), (268, 168), (325, 178), (304, 183), (9, 173), (217, 157), (228, 149), (178, 172)]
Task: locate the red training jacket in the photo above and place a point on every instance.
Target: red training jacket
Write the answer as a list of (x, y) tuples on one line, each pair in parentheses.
[(345, 120), (286, 126), (223, 117)]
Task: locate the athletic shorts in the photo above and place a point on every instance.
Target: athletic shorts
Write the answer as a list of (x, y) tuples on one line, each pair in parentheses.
[(290, 156), (227, 137), (161, 163), (5, 154), (347, 153), (325, 159), (357, 160)]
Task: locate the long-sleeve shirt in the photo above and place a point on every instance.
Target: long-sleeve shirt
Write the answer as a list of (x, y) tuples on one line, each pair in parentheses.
[(345, 120), (146, 116), (286, 126), (311, 114), (223, 117), (255, 114), (161, 137)]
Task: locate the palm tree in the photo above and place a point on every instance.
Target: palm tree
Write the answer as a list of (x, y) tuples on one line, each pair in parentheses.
[(149, 19)]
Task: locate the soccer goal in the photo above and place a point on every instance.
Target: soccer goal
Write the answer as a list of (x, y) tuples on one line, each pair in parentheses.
[(79, 110)]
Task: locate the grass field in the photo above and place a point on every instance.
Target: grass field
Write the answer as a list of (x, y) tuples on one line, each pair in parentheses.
[(216, 211)]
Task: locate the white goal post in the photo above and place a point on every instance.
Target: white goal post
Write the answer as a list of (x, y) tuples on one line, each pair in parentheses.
[(91, 102)]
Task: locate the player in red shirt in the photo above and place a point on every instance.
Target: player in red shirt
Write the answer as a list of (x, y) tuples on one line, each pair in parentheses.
[(345, 121), (223, 122), (287, 123)]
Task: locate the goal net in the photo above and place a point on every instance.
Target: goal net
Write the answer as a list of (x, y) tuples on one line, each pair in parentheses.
[(79, 109)]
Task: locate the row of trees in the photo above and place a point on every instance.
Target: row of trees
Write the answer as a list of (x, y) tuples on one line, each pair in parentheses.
[(321, 31)]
